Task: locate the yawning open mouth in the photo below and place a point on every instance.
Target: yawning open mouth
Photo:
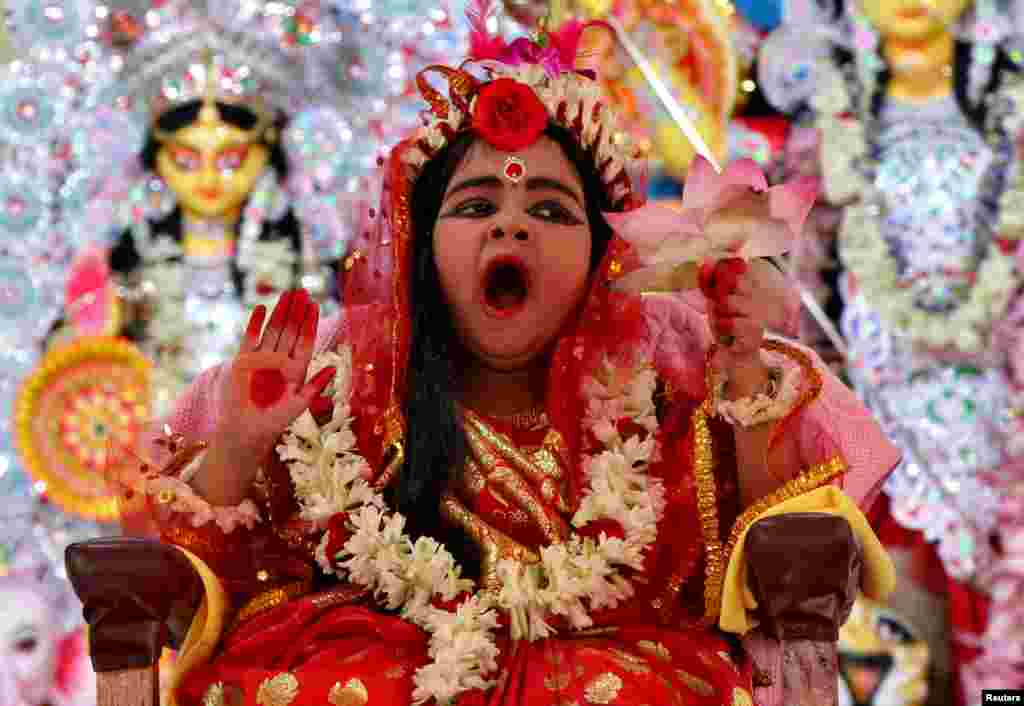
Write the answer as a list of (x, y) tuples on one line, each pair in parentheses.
[(506, 286)]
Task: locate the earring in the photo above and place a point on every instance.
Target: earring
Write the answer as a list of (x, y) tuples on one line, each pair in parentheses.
[(160, 198)]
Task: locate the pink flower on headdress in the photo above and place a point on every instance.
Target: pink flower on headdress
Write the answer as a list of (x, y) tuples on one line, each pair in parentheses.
[(526, 51), (728, 214), (557, 54)]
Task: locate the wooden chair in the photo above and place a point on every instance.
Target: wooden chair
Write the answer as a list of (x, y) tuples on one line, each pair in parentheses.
[(139, 596)]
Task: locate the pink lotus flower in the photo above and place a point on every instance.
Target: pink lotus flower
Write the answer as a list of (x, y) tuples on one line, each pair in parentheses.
[(731, 214)]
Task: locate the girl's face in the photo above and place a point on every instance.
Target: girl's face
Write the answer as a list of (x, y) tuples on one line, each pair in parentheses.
[(513, 256)]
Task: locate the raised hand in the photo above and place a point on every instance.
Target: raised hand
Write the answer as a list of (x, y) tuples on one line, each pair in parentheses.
[(265, 388), (744, 298)]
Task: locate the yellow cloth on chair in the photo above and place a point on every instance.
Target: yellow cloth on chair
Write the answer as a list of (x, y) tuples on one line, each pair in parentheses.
[(878, 578), (206, 628)]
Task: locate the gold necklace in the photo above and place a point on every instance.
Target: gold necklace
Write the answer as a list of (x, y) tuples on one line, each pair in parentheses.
[(534, 418)]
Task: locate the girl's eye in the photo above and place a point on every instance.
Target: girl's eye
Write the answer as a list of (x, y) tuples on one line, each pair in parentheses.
[(186, 160), (474, 208), (231, 160), (554, 212)]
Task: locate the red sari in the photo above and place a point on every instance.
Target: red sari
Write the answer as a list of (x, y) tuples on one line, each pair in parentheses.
[(296, 641), (334, 646)]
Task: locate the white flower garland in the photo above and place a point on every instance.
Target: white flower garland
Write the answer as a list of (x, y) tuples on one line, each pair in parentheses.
[(571, 579), (867, 255)]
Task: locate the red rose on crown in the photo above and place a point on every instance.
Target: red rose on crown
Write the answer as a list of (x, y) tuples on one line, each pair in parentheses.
[(509, 115)]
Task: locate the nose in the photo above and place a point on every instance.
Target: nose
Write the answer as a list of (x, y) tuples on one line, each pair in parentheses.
[(519, 233), (208, 177)]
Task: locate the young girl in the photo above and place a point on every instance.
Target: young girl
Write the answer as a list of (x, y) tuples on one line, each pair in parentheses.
[(582, 453)]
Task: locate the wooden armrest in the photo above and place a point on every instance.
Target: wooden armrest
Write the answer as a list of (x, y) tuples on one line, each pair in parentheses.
[(804, 570), (138, 596)]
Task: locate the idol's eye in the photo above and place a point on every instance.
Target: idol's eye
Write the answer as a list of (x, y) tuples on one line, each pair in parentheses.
[(185, 159), (232, 159), (892, 630), (473, 208), (554, 212), (26, 645)]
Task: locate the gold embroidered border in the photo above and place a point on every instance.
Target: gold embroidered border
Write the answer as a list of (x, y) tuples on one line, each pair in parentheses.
[(707, 507), (811, 479), (399, 263), (707, 492), (199, 541), (812, 382), (271, 599)]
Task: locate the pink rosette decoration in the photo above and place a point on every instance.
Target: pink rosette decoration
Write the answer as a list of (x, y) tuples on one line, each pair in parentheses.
[(89, 296), (724, 215)]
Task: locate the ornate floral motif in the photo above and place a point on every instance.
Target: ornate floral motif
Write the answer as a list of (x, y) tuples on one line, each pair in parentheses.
[(214, 695), (278, 691), (603, 689), (354, 693), (77, 418)]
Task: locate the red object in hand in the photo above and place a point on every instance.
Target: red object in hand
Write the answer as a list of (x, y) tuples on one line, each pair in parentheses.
[(718, 279), (321, 407), (723, 324), (267, 387)]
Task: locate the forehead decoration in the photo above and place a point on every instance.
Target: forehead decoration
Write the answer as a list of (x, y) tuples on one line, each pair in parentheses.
[(515, 169)]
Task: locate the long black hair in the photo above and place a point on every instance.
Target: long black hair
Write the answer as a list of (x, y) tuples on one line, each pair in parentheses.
[(124, 257), (435, 441)]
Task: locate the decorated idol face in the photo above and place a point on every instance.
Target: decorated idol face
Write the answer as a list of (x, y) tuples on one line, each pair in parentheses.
[(29, 639), (212, 162), (882, 662), (913, 19), (512, 246)]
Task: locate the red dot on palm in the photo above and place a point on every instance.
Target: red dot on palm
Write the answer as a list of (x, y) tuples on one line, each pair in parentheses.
[(267, 387)]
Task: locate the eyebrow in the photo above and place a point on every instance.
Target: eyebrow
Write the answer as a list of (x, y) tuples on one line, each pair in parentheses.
[(491, 182), (532, 184), (179, 142), (537, 183)]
